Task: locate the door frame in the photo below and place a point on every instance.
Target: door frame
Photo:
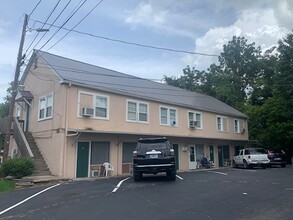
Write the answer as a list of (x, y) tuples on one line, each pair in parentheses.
[(192, 164), (82, 163), (212, 152)]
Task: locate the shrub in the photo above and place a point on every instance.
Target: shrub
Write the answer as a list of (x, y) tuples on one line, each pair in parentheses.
[(18, 167), (1, 172)]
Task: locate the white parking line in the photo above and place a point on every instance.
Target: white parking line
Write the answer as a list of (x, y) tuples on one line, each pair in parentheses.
[(218, 173), (179, 177), (119, 184), (23, 201)]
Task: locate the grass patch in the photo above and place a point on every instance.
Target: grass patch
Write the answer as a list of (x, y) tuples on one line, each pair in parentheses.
[(6, 185)]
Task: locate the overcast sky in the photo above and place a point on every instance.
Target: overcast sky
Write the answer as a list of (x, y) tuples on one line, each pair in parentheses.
[(189, 25)]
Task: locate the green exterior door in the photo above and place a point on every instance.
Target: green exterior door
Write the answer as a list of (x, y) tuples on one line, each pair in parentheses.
[(175, 146), (82, 163), (220, 156), (212, 157)]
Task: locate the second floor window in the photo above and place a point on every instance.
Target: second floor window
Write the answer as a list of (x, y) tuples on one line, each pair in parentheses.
[(197, 117), (222, 123), (168, 116), (97, 103), (45, 107), (238, 126), (137, 111), (101, 107)]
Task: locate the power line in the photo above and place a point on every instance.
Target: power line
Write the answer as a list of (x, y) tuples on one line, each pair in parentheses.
[(133, 43), (35, 8), (61, 68), (123, 88), (77, 24), (51, 24), (42, 26), (61, 27)]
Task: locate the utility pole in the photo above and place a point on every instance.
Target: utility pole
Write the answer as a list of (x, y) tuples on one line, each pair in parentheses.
[(14, 90)]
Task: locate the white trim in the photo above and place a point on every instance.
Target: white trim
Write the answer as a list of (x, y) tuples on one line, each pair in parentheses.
[(238, 126), (168, 116), (194, 118), (45, 110), (137, 111), (94, 95), (89, 157), (222, 123)]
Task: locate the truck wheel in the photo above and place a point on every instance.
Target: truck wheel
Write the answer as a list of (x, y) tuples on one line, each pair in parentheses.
[(137, 176), (234, 164), (171, 175), (283, 165), (264, 166), (245, 164)]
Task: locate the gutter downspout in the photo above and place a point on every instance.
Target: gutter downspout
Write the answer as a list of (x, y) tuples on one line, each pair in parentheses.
[(65, 136)]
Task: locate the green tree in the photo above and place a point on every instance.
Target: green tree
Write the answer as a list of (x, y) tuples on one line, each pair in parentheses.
[(259, 84), (4, 107)]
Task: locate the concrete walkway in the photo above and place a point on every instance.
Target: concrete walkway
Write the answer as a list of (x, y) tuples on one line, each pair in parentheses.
[(38, 180)]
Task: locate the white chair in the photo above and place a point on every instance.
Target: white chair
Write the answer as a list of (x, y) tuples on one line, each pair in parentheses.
[(108, 167)]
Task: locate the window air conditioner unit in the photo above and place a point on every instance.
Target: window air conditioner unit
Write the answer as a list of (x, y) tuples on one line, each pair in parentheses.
[(87, 112), (242, 130), (173, 123), (192, 124)]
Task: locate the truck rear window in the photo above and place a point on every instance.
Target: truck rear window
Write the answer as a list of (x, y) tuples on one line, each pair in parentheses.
[(255, 151)]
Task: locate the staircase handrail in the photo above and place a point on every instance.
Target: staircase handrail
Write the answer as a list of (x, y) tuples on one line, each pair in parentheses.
[(21, 140)]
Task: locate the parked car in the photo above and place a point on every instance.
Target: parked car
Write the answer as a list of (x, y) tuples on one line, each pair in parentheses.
[(251, 157), (153, 155), (277, 157)]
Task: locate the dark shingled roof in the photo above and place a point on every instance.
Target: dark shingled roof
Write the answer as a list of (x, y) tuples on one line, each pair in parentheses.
[(90, 76)]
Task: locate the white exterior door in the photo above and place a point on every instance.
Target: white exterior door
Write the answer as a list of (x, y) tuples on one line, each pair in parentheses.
[(192, 157)]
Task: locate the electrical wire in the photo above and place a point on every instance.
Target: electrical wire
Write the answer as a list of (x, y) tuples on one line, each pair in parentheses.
[(135, 44), (35, 8), (77, 24), (125, 88), (51, 25), (42, 26), (59, 28)]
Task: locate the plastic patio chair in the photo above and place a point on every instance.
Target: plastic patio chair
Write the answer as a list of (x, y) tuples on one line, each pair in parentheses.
[(108, 167)]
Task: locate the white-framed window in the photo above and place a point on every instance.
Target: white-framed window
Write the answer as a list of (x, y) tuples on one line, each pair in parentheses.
[(101, 106), (222, 123), (195, 116), (98, 102), (18, 111), (168, 116), (46, 107), (137, 111), (238, 126)]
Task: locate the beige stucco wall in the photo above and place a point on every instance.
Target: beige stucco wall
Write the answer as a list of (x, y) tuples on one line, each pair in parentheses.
[(59, 150), (48, 133), (117, 119)]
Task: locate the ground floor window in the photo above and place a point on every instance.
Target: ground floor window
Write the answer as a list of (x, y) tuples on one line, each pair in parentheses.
[(199, 152), (100, 152), (224, 155), (127, 152)]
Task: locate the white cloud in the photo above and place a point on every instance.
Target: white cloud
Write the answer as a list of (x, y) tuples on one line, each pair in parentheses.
[(146, 13), (256, 26), (167, 17)]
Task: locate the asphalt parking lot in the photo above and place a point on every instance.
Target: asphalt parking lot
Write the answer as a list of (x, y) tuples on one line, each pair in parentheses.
[(209, 194)]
